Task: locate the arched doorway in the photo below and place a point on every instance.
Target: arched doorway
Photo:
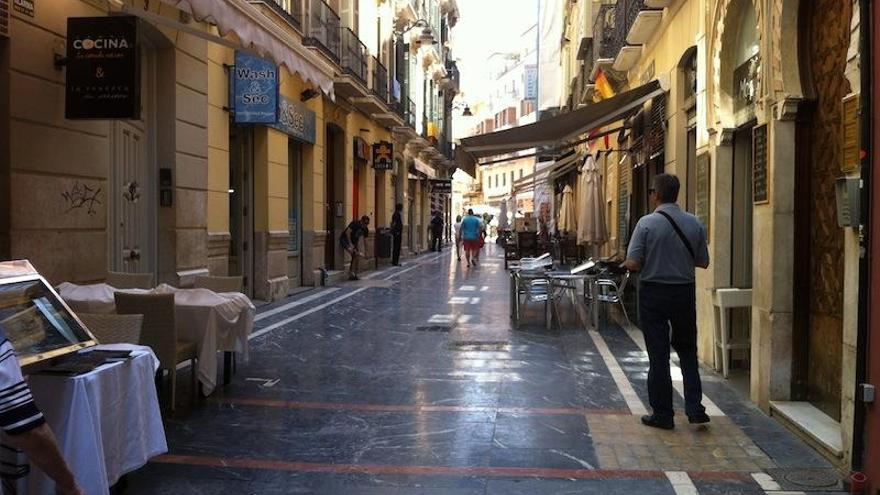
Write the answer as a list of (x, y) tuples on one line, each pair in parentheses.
[(334, 177), (736, 76), (819, 242)]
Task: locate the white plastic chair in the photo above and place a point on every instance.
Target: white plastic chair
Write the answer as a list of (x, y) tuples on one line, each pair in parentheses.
[(723, 300)]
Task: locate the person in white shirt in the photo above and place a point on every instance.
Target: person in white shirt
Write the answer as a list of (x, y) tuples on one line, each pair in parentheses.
[(457, 229)]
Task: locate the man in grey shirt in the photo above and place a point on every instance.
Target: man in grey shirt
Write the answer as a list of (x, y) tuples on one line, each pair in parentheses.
[(666, 247)]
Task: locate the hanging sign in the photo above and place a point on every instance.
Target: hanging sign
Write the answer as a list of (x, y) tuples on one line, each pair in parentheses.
[(102, 80), (703, 186), (383, 156), (441, 186), (25, 7), (362, 149), (759, 172), (255, 90), (295, 119)]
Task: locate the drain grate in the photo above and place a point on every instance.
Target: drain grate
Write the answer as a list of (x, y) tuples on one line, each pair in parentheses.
[(434, 328), (806, 479)]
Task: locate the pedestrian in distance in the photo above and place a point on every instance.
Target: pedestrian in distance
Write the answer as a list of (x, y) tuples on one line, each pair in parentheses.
[(396, 233), (349, 239), (666, 247), (457, 231), (437, 232), (471, 237)]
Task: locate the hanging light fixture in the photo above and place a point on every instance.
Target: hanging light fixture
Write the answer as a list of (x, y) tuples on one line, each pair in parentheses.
[(427, 36), (467, 112)]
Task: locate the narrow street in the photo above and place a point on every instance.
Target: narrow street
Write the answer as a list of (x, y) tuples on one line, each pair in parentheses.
[(412, 381)]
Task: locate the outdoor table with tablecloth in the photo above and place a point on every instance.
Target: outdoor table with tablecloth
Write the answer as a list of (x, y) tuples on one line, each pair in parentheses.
[(215, 322), (107, 421)]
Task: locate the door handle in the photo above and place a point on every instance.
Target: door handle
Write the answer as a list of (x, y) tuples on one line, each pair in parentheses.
[(135, 255)]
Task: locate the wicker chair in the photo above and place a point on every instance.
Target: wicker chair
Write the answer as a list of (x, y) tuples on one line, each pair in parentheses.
[(219, 284), (160, 333), (114, 329), (122, 280)]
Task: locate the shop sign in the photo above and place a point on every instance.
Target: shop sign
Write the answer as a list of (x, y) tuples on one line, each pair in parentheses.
[(441, 186), (850, 134), (383, 156), (759, 172), (703, 185), (102, 80), (362, 150), (295, 120), (531, 82), (25, 7), (255, 90)]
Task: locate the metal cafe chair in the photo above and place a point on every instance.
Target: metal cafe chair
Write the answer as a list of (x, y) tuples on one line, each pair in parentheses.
[(610, 291)]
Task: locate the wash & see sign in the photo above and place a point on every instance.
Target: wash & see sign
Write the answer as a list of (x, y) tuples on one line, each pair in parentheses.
[(255, 90)]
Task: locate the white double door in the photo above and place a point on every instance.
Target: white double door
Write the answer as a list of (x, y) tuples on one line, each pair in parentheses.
[(132, 200)]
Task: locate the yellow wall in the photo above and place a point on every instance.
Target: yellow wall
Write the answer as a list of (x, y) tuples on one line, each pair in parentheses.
[(218, 138)]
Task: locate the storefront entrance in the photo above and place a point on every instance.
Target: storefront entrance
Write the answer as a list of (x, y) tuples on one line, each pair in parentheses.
[(294, 213), (333, 191), (819, 243), (241, 226), (132, 181)]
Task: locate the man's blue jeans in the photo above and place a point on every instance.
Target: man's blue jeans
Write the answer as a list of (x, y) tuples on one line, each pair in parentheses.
[(662, 306)]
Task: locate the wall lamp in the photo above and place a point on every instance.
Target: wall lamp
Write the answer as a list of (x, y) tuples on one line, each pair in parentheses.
[(308, 94)]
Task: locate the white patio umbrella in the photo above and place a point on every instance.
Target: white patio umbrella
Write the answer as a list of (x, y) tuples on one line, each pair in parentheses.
[(591, 204), (567, 221)]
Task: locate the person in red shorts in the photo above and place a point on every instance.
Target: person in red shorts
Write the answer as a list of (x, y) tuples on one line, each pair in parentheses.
[(472, 237)]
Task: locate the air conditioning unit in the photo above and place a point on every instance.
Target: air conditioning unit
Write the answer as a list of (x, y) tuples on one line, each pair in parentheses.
[(4, 18)]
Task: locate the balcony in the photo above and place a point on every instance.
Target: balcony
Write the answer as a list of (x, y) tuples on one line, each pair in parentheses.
[(352, 82), (607, 40), (452, 81), (636, 24), (380, 80), (323, 31), (405, 13), (290, 10)]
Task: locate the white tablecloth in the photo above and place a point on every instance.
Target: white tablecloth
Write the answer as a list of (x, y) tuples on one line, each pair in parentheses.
[(107, 422), (215, 322)]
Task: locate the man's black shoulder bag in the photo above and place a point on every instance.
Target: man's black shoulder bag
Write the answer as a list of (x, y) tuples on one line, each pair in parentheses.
[(680, 234)]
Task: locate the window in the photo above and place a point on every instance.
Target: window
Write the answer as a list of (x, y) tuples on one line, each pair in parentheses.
[(511, 176), (520, 173), (504, 179)]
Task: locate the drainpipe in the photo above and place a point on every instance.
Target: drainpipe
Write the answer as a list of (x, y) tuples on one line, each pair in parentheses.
[(865, 135)]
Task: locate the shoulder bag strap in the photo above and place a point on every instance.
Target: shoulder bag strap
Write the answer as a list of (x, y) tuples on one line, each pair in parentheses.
[(680, 234)]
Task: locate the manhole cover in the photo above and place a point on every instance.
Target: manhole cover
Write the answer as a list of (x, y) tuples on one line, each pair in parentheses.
[(804, 479), (434, 328)]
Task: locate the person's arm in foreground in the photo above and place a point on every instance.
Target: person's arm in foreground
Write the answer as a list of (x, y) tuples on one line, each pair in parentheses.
[(25, 426), (42, 450), (635, 255)]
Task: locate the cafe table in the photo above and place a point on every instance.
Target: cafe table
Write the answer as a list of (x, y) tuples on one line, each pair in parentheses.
[(107, 422), (215, 322)]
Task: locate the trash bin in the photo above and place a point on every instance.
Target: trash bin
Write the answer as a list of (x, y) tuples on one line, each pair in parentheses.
[(383, 242)]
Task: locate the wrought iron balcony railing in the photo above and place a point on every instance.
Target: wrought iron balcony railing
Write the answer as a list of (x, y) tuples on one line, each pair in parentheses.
[(629, 12), (324, 29), (380, 80), (292, 10), (353, 55), (411, 113), (607, 39)]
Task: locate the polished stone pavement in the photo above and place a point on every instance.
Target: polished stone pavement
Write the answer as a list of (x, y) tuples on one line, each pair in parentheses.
[(413, 381)]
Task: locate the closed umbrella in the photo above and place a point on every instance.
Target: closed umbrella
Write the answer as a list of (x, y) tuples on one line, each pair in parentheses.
[(567, 221), (591, 214), (502, 220)]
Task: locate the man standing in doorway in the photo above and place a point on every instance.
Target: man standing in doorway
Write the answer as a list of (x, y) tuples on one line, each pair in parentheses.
[(396, 233), (666, 246), (471, 236), (349, 239), (437, 232)]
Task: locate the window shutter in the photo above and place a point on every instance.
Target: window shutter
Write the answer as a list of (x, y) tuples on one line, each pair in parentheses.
[(4, 18)]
